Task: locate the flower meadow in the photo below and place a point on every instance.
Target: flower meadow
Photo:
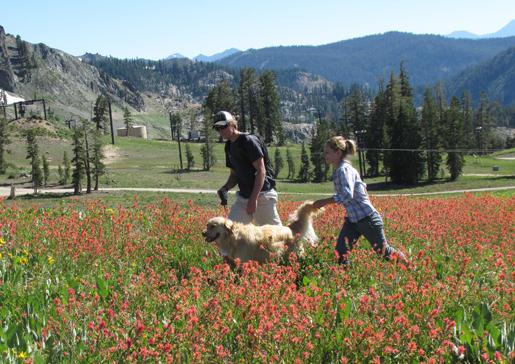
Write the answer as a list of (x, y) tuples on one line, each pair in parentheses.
[(96, 283)]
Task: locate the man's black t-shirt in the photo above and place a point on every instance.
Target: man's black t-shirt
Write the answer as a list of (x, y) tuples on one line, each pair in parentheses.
[(239, 156)]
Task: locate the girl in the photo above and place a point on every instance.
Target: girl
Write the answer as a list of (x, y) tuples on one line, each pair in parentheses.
[(350, 191)]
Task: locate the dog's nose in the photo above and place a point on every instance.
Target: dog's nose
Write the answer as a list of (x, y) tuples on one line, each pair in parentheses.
[(204, 233)]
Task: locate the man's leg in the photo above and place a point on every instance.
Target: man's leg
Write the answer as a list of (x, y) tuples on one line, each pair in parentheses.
[(238, 211), (266, 212)]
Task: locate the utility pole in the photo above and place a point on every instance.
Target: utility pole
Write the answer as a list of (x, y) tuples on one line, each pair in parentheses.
[(360, 136), (175, 126), (478, 133), (171, 124), (111, 121)]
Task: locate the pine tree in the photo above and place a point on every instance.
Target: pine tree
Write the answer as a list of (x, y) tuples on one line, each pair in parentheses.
[(354, 105), (391, 115), (454, 139), (46, 170), (304, 165), (4, 141), (100, 113), (33, 155), (291, 164), (221, 97), (67, 168), (404, 163), (60, 173), (189, 157), (254, 103), (247, 76), (376, 132), (127, 119), (468, 119), (431, 135), (271, 112), (176, 124), (278, 162), (96, 157), (87, 156), (78, 160), (320, 137), (483, 122), (25, 60), (406, 91)]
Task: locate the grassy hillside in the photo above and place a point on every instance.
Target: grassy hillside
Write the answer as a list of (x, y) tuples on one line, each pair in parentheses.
[(133, 162)]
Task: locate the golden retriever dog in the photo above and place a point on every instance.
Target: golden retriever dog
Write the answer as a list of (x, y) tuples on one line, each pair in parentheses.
[(261, 243)]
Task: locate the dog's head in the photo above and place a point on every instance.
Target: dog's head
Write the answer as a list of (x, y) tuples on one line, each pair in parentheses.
[(217, 227)]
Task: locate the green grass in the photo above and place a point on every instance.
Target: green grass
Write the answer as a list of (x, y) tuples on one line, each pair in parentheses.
[(155, 163)]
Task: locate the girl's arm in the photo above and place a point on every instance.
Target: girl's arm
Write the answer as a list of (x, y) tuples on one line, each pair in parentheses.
[(321, 203)]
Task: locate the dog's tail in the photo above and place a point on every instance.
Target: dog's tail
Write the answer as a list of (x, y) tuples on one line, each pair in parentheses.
[(300, 222)]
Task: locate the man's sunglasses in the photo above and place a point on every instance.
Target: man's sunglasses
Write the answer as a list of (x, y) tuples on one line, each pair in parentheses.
[(220, 127)]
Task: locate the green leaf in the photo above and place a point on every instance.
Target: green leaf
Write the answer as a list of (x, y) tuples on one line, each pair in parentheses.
[(103, 287), (466, 335), (439, 270), (305, 281), (478, 323), (459, 315), (486, 314), (38, 358), (494, 338), (345, 313)]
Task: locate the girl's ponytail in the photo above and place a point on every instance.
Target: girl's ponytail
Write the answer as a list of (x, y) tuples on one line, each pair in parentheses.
[(347, 146), (350, 147)]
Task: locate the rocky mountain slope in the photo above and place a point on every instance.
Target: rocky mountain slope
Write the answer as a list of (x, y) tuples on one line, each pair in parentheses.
[(69, 85), (496, 77)]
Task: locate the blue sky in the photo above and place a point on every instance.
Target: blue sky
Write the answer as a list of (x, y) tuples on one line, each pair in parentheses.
[(154, 29)]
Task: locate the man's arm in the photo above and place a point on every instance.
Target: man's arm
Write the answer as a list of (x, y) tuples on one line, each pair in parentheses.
[(231, 182), (259, 181)]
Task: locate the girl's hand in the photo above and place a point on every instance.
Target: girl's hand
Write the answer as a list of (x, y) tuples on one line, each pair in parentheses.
[(321, 203), (318, 204)]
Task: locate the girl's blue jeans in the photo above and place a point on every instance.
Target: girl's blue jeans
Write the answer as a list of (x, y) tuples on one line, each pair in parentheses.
[(371, 227)]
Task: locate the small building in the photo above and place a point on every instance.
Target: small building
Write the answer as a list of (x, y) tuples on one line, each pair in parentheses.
[(193, 135), (138, 131)]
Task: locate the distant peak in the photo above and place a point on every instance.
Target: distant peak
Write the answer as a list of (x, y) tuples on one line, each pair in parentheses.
[(217, 56), (175, 56), (507, 31)]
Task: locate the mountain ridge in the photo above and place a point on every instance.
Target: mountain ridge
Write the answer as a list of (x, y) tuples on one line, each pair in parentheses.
[(216, 56), (495, 76), (507, 31), (367, 60)]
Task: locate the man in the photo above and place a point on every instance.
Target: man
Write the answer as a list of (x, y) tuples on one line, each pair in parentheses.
[(251, 170)]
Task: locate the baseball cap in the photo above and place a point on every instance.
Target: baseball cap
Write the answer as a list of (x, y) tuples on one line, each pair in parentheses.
[(223, 118)]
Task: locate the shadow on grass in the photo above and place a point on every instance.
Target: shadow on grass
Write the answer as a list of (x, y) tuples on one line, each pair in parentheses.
[(292, 181), (44, 196), (497, 178), (382, 186), (14, 183), (183, 171)]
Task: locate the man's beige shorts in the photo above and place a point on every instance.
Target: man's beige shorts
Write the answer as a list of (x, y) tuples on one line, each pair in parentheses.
[(266, 211)]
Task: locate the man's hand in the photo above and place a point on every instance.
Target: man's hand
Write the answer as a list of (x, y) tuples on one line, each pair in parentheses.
[(222, 194), (251, 206)]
